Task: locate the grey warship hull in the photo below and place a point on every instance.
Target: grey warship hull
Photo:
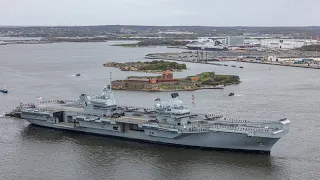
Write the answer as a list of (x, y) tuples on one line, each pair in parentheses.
[(170, 122), (209, 140)]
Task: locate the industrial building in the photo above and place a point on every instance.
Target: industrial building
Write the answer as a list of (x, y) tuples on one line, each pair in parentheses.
[(286, 43), (234, 41), (224, 41), (240, 41)]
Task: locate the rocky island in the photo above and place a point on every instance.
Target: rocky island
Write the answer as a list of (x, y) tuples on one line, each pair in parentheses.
[(166, 82), (149, 66)]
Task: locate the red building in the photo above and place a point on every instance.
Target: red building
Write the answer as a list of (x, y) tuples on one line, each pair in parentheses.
[(167, 76)]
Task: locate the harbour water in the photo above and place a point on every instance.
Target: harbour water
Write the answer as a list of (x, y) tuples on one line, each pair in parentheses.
[(47, 71)]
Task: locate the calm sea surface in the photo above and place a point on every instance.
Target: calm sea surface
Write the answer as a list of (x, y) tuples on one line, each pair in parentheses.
[(47, 70)]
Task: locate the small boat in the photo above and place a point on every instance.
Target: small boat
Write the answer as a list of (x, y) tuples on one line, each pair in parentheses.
[(231, 94), (225, 64), (241, 66), (78, 74), (13, 114), (3, 90), (233, 66)]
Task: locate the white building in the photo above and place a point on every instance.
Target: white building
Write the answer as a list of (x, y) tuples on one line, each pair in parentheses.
[(234, 40), (286, 43), (263, 41), (226, 41)]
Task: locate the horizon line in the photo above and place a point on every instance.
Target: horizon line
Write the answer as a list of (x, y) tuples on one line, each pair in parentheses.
[(249, 26)]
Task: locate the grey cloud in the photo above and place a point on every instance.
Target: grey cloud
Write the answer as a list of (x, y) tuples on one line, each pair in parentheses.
[(160, 12)]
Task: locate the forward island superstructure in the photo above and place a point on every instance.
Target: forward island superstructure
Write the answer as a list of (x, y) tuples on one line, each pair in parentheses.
[(169, 122)]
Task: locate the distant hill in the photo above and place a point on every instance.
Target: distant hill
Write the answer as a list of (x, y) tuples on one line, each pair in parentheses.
[(109, 30)]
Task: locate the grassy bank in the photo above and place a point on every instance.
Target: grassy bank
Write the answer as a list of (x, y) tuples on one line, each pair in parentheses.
[(147, 66)]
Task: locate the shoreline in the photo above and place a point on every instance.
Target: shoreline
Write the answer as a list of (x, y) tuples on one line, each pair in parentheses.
[(170, 90), (175, 57), (279, 64)]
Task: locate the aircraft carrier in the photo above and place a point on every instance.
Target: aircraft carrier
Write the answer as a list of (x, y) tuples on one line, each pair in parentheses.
[(170, 122)]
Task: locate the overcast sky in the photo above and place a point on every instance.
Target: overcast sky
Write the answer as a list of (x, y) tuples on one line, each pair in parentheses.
[(161, 12)]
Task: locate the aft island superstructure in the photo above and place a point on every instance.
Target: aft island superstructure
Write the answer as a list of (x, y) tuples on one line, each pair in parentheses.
[(169, 122)]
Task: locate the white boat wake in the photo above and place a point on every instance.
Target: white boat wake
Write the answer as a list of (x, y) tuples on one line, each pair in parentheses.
[(238, 95)]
